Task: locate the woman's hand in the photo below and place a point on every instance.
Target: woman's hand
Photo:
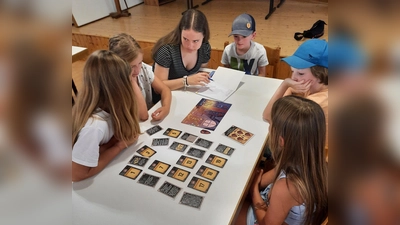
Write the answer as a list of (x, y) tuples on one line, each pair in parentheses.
[(201, 78)]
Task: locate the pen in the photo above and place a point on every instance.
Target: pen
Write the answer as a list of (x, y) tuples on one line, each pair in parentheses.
[(211, 74)]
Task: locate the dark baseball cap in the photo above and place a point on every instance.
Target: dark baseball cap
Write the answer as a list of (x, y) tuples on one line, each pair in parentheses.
[(243, 25)]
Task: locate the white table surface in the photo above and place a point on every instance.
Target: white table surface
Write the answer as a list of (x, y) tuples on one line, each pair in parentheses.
[(109, 198)]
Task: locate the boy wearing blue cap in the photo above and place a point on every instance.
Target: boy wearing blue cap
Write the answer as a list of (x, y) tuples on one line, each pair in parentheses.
[(309, 77), (245, 54)]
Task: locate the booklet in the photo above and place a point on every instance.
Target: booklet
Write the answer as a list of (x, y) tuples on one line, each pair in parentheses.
[(224, 83), (207, 114)]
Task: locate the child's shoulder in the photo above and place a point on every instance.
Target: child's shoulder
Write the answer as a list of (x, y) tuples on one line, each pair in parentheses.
[(258, 46), (286, 190)]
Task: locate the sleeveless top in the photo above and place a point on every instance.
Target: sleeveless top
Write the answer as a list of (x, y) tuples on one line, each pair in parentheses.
[(294, 217)]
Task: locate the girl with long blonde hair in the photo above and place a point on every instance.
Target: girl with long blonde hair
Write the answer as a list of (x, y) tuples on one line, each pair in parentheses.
[(105, 116)]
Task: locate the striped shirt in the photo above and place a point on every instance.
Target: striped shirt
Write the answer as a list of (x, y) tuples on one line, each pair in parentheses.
[(169, 56)]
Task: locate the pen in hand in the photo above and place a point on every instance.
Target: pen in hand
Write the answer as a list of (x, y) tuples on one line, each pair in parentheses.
[(210, 75)]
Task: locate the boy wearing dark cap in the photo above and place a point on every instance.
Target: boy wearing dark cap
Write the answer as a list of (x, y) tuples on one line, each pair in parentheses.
[(245, 54)]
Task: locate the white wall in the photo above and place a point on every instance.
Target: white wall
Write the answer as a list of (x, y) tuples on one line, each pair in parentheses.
[(86, 11)]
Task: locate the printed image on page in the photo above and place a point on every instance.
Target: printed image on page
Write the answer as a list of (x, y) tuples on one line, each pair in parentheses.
[(224, 83)]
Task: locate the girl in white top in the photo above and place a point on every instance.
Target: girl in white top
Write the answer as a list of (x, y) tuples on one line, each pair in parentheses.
[(143, 79), (296, 190), (105, 117)]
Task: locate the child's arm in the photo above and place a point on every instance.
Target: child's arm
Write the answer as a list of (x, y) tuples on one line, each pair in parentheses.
[(267, 178), (278, 94), (165, 92), (281, 201), (140, 101), (301, 86), (262, 71), (80, 172)]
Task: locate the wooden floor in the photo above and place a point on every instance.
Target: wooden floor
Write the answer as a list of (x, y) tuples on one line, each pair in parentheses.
[(149, 23)]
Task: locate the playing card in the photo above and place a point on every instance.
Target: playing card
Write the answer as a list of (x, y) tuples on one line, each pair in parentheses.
[(224, 149), (159, 166), (146, 151), (148, 180), (172, 132), (160, 141), (178, 146), (195, 152), (203, 143), (216, 160), (169, 189), (199, 184), (187, 161), (238, 134), (153, 130), (178, 174), (189, 137), (130, 172), (207, 172), (138, 160), (191, 200)]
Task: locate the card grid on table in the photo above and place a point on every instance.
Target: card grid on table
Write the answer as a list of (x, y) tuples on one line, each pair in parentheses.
[(181, 175)]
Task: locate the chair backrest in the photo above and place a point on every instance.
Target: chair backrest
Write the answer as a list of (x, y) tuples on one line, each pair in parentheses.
[(147, 55), (273, 55)]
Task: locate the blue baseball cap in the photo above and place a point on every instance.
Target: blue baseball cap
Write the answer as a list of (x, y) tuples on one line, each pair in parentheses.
[(313, 52)]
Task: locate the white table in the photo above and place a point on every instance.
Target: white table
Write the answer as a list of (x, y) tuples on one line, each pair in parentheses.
[(110, 198), (78, 53)]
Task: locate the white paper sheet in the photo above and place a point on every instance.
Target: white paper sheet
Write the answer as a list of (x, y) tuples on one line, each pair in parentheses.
[(224, 83)]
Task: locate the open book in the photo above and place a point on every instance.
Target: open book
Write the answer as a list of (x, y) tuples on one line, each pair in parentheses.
[(224, 83)]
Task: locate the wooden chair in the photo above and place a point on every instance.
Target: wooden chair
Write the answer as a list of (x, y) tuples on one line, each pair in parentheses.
[(273, 55), (147, 55)]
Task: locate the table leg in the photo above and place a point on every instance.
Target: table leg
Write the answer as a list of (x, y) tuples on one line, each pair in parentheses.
[(205, 2), (271, 9)]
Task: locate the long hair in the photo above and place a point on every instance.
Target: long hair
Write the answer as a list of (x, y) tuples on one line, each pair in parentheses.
[(301, 124), (125, 46), (107, 85), (191, 19)]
